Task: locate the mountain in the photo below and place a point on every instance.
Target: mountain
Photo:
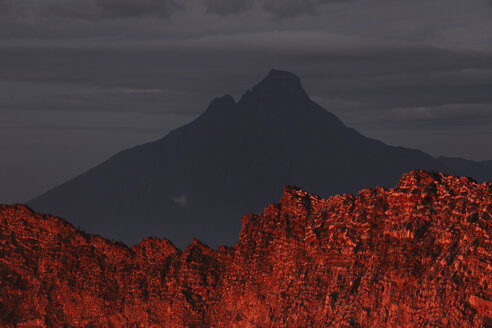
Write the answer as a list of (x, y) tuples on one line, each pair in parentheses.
[(230, 161), (417, 255), (481, 171)]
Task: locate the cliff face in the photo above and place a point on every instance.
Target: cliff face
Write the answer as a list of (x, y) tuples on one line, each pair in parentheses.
[(416, 255)]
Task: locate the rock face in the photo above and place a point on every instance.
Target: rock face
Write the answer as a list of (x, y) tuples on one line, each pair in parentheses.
[(418, 255), (234, 159)]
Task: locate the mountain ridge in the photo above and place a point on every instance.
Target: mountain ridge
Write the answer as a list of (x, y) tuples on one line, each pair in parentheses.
[(415, 255), (232, 159)]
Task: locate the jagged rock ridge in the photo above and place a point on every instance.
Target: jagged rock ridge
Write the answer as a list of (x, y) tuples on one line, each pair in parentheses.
[(417, 255)]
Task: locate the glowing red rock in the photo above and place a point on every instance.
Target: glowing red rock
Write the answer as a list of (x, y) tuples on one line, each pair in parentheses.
[(416, 255)]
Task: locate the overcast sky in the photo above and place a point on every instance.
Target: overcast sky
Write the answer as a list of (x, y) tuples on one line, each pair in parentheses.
[(82, 79)]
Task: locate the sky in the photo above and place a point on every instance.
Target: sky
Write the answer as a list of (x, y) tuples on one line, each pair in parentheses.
[(81, 80)]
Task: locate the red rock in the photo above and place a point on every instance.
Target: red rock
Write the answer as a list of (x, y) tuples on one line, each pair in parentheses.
[(416, 255)]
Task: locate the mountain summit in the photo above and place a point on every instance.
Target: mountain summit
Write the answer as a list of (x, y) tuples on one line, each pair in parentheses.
[(279, 91), (231, 160)]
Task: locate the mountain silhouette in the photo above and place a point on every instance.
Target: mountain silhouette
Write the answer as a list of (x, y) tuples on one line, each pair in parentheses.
[(230, 161)]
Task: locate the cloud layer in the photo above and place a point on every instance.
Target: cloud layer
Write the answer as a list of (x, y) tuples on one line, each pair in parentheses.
[(291, 8), (91, 9), (227, 7), (5, 7)]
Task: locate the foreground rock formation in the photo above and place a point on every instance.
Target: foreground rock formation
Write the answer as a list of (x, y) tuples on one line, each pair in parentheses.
[(418, 255)]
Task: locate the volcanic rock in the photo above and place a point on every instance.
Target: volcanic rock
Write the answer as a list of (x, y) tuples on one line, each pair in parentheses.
[(418, 255)]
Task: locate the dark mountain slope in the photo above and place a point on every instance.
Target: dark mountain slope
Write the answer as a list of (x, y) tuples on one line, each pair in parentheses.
[(228, 162), (481, 171)]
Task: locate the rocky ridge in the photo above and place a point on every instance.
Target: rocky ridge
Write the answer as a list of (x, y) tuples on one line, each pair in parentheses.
[(417, 255)]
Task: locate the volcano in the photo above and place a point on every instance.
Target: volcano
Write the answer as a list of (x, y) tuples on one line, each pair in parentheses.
[(232, 160)]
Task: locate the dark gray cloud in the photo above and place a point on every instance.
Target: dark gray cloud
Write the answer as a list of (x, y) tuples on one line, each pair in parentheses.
[(5, 7), (227, 7), (106, 9), (456, 117), (164, 78), (278, 8), (291, 8), (131, 8)]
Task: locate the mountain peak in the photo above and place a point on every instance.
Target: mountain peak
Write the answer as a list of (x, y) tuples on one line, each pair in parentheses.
[(276, 74), (221, 104), (281, 81), (278, 91)]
